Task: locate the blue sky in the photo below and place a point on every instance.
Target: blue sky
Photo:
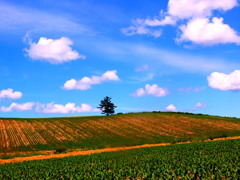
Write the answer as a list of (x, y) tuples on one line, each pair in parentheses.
[(60, 58)]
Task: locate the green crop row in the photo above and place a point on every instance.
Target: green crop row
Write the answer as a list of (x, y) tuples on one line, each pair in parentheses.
[(206, 160)]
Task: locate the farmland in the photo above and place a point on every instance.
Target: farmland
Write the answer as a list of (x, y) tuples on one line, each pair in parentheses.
[(97, 132), (203, 160)]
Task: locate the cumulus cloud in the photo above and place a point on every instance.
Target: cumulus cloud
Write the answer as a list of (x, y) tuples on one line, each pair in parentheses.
[(18, 107), (199, 106), (52, 108), (86, 82), (55, 51), (49, 108), (202, 31), (139, 92), (178, 9), (10, 94), (184, 9), (171, 107), (202, 27), (153, 90), (225, 82)]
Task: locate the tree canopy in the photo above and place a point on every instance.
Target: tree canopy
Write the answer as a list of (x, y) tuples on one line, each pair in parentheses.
[(106, 106)]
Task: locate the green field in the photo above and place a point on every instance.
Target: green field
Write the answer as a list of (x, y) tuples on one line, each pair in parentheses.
[(204, 160), (95, 132)]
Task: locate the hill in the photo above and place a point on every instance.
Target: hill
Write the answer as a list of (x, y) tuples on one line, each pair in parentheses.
[(94, 132)]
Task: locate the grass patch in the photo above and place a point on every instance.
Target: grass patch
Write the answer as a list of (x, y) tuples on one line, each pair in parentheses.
[(19, 155), (207, 160)]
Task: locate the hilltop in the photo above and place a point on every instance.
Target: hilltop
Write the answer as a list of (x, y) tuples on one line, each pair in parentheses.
[(95, 132)]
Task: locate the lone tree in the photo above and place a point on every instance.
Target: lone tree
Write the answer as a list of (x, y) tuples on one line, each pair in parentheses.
[(106, 106)]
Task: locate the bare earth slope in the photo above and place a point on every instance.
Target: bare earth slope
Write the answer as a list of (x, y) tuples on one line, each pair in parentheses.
[(99, 132)]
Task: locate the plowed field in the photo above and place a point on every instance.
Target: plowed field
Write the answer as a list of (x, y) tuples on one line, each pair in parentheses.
[(111, 131)]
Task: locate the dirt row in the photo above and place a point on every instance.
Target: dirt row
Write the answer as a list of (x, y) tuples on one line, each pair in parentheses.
[(15, 134), (50, 154)]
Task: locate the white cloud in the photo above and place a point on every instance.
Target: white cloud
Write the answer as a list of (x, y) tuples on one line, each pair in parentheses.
[(190, 89), (86, 82), (184, 9), (18, 107), (52, 108), (10, 94), (139, 92), (225, 82), (48, 108), (199, 29), (199, 105), (146, 26), (110, 76), (171, 108), (153, 90), (139, 27), (202, 31), (55, 51), (168, 20), (141, 30)]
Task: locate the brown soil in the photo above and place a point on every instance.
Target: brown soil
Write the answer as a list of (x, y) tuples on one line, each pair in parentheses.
[(50, 154), (15, 134)]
